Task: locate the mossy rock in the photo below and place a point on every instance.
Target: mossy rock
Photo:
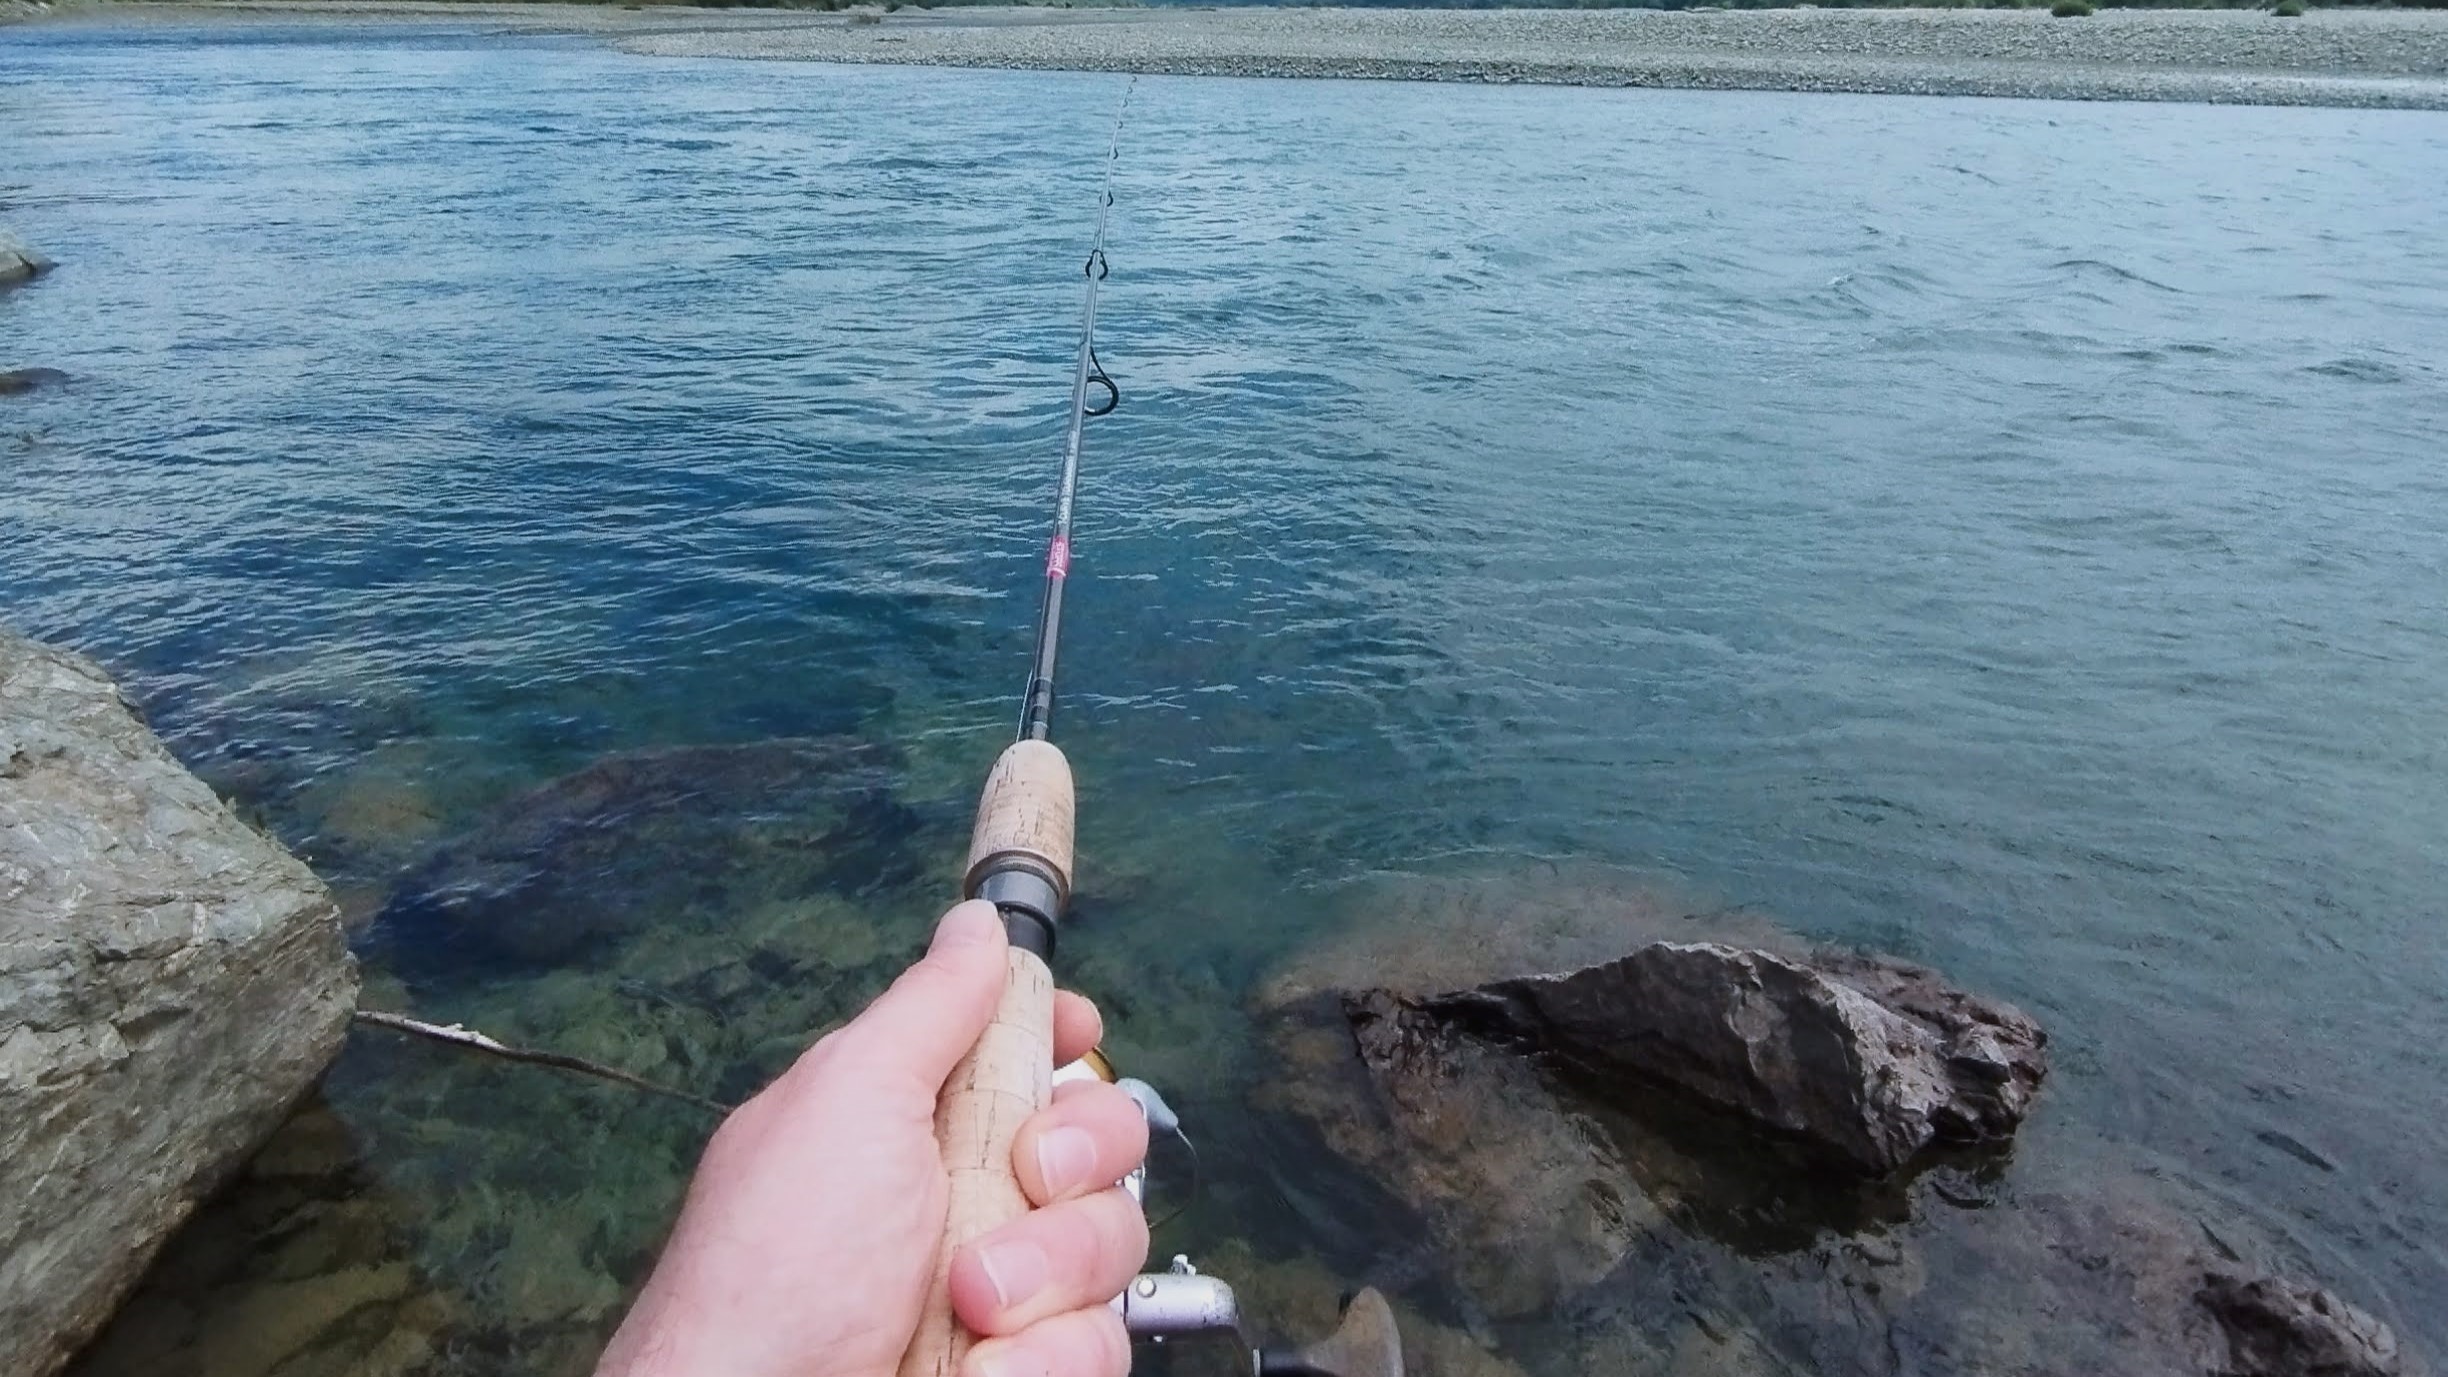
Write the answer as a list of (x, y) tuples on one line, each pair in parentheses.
[(648, 841)]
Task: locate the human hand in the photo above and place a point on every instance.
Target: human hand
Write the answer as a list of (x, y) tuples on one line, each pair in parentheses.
[(810, 1233)]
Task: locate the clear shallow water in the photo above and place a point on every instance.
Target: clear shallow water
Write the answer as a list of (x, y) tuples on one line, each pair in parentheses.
[(2007, 534)]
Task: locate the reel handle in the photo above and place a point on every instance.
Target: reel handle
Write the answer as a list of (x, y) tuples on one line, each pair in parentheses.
[(1020, 856)]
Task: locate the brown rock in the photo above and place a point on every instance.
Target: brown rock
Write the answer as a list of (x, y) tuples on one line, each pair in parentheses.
[(1528, 1200), (1872, 1061), (2279, 1328), (1566, 1170)]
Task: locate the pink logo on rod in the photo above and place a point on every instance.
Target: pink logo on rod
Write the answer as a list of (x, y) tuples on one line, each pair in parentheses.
[(1058, 558)]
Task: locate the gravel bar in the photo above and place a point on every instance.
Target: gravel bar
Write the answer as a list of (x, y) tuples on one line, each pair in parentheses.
[(2385, 58), (2395, 59)]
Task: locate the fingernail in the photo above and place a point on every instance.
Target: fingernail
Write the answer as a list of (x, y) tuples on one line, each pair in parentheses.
[(1016, 1270), (972, 924), (1065, 1156)]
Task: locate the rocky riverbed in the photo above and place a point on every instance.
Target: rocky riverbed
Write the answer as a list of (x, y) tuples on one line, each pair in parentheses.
[(2396, 59), (1667, 1146)]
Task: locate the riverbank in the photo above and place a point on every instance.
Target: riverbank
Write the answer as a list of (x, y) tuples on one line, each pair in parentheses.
[(2391, 59)]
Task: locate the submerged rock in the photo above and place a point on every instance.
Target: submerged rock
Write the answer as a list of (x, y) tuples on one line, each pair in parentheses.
[(1736, 1215), (298, 1268), (171, 981), (19, 262), (1871, 1061), (17, 380), (1292, 1301), (642, 838), (1525, 1200), (1698, 1080), (2278, 1328)]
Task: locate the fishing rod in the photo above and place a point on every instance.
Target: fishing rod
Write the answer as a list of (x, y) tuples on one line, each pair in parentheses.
[(1037, 704), (1020, 860)]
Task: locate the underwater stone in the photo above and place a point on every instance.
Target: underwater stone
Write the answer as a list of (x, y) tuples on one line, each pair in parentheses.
[(1676, 1236), (16, 380), (2278, 1328), (1297, 1299), (171, 982), (653, 837), (1527, 1204)]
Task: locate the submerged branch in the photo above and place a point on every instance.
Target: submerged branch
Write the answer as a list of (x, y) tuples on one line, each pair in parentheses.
[(458, 1036)]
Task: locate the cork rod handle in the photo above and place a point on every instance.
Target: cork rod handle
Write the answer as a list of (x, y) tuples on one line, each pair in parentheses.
[(1024, 822)]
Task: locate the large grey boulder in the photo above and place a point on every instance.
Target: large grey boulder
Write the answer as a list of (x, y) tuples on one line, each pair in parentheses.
[(171, 982), (1872, 1061), (17, 261)]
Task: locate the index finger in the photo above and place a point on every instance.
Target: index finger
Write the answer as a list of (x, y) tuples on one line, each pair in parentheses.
[(1078, 1027)]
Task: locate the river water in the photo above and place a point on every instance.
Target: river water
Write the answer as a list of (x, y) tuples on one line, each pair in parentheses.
[(2012, 535)]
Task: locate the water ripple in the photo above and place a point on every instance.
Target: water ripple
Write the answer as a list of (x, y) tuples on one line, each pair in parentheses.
[(1996, 532)]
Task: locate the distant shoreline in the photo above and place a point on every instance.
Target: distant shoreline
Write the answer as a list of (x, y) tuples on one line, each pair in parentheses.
[(2357, 58)]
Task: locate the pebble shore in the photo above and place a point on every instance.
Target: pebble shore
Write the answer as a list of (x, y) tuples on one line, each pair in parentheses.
[(2385, 58), (2388, 59)]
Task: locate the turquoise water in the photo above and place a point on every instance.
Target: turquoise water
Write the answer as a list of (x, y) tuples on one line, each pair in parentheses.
[(2012, 535)]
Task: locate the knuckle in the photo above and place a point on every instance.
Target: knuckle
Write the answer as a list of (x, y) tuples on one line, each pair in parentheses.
[(1121, 1236), (1098, 1242), (1110, 1341), (931, 979), (1094, 1106), (1101, 1098), (1083, 1008), (814, 1062), (1104, 1108), (733, 1136), (817, 1067), (1110, 1118), (1071, 1092), (1088, 1342)]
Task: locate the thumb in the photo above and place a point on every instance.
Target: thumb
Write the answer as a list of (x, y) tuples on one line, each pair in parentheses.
[(932, 1015)]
